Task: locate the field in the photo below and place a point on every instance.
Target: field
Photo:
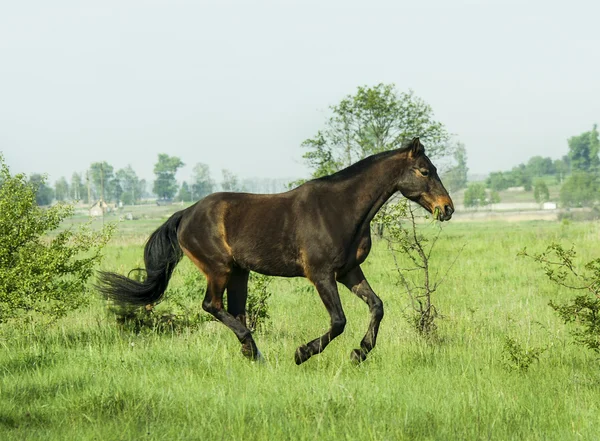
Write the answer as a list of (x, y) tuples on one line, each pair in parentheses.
[(85, 378)]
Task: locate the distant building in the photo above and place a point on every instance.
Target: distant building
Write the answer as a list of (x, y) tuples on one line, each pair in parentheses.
[(99, 208), (549, 206)]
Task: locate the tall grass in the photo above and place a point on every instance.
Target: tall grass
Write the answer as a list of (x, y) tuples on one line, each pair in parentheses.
[(86, 378)]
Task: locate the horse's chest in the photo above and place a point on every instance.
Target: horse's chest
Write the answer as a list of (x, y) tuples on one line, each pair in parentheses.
[(363, 248)]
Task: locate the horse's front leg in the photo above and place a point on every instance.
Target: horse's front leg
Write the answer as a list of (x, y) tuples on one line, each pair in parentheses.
[(327, 289), (356, 282)]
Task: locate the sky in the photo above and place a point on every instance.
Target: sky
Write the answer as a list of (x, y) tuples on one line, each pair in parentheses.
[(240, 84)]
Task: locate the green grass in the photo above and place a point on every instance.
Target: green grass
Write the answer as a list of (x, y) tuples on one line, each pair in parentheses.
[(84, 378)]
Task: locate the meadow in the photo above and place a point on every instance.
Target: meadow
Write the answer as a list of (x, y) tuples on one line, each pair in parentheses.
[(87, 378)]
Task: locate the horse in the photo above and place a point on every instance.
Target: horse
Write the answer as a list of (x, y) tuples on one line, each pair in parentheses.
[(319, 230)]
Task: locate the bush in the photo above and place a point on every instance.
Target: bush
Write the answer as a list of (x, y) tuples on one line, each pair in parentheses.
[(581, 189), (39, 274), (583, 311), (516, 357)]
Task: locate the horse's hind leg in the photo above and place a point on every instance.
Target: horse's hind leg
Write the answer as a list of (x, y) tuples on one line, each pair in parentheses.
[(213, 303), (356, 282), (328, 292), (237, 295)]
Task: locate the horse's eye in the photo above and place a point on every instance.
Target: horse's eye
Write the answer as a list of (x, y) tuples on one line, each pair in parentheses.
[(424, 172)]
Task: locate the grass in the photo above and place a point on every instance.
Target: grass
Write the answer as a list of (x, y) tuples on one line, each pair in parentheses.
[(85, 378)]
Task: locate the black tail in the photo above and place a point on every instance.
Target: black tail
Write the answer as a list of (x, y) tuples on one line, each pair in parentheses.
[(161, 254)]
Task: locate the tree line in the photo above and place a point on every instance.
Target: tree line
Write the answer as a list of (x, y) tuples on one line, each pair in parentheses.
[(577, 173), (102, 182)]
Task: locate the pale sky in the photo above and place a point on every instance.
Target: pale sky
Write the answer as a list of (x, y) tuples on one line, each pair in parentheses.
[(240, 84)]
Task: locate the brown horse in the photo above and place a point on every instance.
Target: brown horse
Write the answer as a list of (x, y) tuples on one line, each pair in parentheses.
[(320, 230)]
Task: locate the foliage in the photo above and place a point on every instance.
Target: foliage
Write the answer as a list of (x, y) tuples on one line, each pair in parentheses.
[(456, 177), (540, 191), (61, 189), (583, 311), (409, 242), (373, 120), (184, 194), (581, 189), (165, 185), (43, 193), (257, 306), (130, 184), (78, 191), (516, 357), (101, 175), (584, 150), (41, 275), (475, 195), (230, 181), (202, 184)]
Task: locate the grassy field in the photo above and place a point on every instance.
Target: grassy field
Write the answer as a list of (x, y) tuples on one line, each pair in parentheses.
[(84, 378)]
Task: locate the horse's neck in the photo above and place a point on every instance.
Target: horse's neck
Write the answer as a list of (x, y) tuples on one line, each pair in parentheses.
[(372, 188)]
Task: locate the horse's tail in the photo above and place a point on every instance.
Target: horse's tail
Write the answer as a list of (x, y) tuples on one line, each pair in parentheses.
[(161, 254)]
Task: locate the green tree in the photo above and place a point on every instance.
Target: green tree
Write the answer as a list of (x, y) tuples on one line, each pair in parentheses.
[(44, 194), (456, 178), (78, 190), (475, 195), (540, 166), (540, 191), (130, 185), (165, 185), (184, 195), (498, 181), (39, 274), (561, 168), (581, 189), (101, 174), (202, 183), (373, 120), (61, 189), (584, 150), (230, 181)]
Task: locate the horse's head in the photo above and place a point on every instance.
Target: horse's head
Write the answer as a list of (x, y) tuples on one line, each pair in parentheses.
[(420, 183)]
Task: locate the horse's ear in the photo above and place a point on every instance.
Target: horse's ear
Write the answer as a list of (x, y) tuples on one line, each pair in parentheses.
[(416, 148)]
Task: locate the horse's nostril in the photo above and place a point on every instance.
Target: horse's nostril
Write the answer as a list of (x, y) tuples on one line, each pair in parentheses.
[(448, 210)]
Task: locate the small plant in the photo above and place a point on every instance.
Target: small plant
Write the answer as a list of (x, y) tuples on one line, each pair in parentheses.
[(257, 307), (40, 274), (583, 311), (409, 242), (517, 357)]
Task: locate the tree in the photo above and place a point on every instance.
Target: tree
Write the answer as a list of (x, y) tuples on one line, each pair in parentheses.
[(539, 166), (580, 189), (184, 194), (41, 274), (61, 189), (130, 185), (456, 178), (475, 195), (202, 184), (78, 192), (540, 191), (373, 120), (230, 181), (101, 174), (561, 168), (165, 185), (43, 194), (584, 150), (498, 181)]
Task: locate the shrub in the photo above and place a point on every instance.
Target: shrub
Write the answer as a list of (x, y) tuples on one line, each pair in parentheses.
[(41, 274), (583, 311), (517, 357)]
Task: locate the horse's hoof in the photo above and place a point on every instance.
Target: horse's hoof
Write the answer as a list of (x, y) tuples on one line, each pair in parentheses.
[(302, 354), (357, 356), (252, 353)]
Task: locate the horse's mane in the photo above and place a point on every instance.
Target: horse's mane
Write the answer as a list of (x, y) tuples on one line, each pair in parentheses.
[(359, 166)]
